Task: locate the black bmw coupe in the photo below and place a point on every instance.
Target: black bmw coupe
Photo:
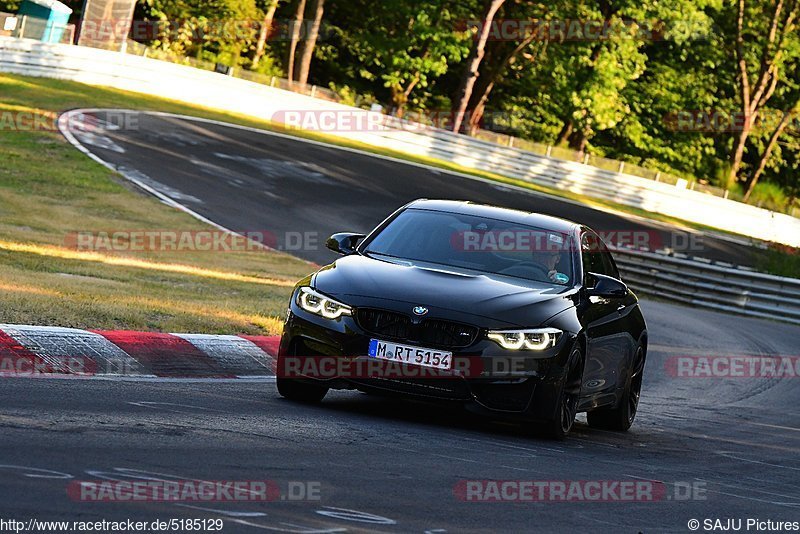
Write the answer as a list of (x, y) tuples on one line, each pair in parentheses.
[(512, 314)]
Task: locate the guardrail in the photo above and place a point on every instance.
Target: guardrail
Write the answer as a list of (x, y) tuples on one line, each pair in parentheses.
[(706, 285), (194, 86), (314, 91), (583, 179)]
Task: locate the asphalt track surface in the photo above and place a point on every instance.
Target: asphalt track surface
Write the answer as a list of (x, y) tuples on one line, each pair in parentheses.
[(385, 465), (735, 440)]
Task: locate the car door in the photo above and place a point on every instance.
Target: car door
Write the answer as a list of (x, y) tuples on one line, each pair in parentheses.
[(604, 319)]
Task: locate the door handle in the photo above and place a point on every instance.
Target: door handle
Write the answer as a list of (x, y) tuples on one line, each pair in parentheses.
[(621, 307)]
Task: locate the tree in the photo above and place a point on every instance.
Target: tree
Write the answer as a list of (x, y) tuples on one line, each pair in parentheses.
[(591, 76), (402, 46), (311, 42), (501, 54), (296, 27), (210, 30), (773, 141), (681, 78), (471, 73), (266, 29), (764, 51), (787, 107)]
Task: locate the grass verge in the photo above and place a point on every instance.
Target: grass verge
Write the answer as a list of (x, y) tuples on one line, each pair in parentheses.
[(48, 190)]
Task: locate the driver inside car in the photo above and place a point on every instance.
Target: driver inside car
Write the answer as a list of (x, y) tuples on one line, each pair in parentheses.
[(548, 261)]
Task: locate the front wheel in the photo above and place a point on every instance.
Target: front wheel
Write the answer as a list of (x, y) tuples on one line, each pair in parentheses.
[(621, 418), (567, 402), (296, 390)]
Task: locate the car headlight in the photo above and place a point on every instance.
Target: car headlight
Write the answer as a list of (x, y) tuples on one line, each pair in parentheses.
[(318, 304), (528, 339)]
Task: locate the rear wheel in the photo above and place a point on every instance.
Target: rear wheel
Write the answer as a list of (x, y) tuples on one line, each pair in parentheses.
[(564, 419), (621, 418)]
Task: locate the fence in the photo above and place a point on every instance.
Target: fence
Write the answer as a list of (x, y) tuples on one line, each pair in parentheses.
[(277, 82)]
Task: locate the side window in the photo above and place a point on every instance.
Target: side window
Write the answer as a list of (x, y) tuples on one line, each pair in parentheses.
[(591, 254), (596, 257), (608, 262)]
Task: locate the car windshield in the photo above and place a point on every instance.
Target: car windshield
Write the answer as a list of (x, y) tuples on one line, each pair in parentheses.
[(476, 244)]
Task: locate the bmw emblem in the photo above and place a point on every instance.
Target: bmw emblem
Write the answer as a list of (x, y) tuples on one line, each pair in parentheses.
[(420, 310)]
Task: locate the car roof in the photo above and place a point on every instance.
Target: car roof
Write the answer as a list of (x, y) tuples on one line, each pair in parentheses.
[(537, 220)]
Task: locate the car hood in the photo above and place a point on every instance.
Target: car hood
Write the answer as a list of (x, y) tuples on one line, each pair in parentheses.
[(490, 301)]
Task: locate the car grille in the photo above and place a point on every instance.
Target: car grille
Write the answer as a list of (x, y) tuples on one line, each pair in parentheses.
[(385, 323), (431, 332)]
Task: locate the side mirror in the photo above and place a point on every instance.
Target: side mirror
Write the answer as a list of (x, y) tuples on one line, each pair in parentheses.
[(344, 243), (600, 285)]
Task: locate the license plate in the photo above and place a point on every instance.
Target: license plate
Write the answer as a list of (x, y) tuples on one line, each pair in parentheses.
[(396, 352)]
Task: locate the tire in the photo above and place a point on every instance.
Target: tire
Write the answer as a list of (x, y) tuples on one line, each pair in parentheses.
[(296, 390), (567, 403), (620, 418)]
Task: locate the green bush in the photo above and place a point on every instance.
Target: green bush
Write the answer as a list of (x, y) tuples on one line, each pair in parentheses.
[(779, 260), (769, 196), (350, 97)]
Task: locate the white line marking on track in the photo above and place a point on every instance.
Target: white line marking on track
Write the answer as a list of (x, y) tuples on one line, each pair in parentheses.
[(169, 406), (776, 426), (347, 514), (510, 446), (223, 512), (779, 466), (50, 473), (63, 126), (293, 530)]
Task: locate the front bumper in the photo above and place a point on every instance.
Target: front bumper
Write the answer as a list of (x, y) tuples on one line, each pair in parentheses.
[(486, 378)]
